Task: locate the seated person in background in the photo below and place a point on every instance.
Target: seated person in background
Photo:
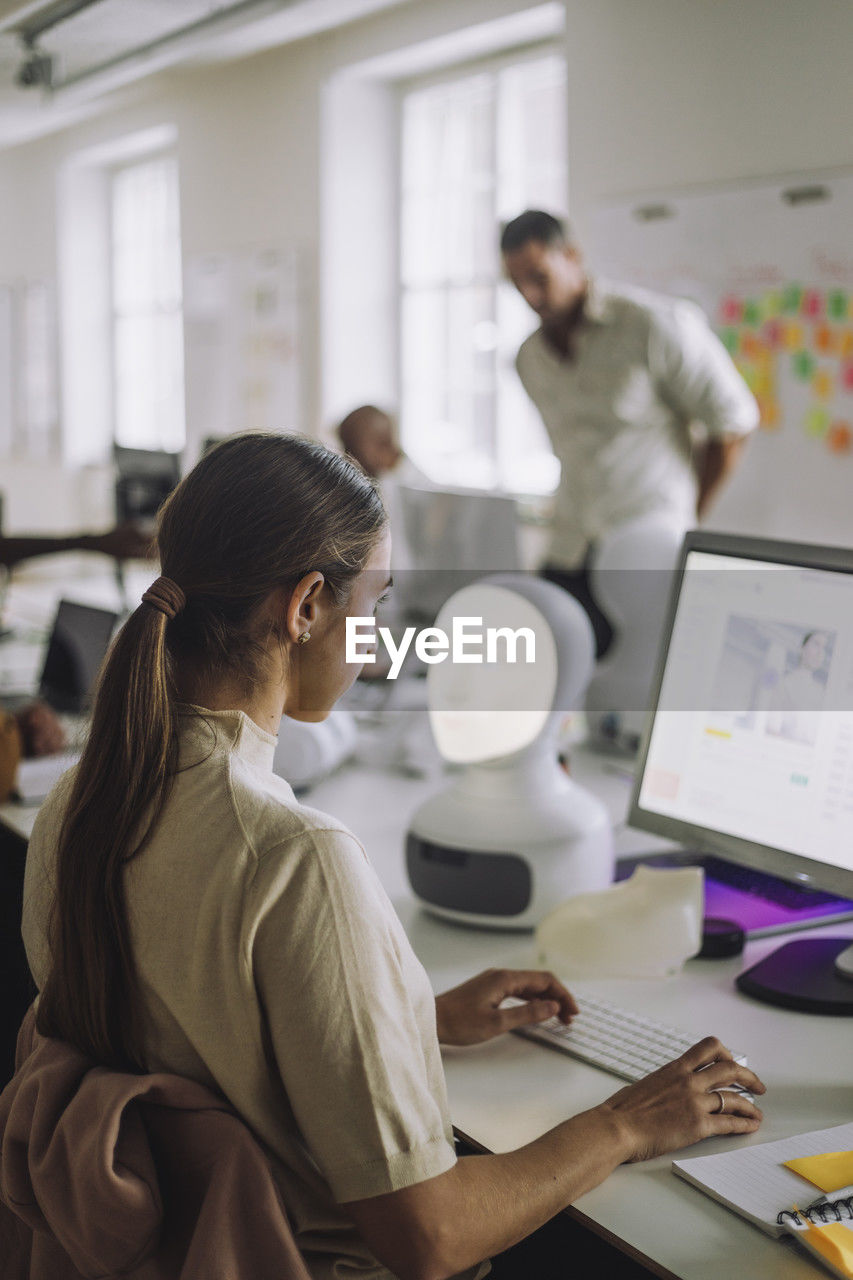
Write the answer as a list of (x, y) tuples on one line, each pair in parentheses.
[(369, 436), (184, 913), (34, 730), (125, 542)]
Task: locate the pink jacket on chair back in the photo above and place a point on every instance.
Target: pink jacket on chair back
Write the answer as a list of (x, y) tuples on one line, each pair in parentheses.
[(150, 1177)]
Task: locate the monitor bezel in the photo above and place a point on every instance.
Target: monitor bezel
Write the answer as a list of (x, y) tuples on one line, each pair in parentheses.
[(747, 853)]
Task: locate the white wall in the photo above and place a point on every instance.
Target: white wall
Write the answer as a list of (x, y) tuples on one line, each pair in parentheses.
[(668, 93), (662, 93)]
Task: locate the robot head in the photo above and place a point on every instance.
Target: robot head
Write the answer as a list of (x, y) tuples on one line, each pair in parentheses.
[(505, 694)]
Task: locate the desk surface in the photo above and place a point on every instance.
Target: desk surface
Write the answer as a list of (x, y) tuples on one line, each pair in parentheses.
[(510, 1091)]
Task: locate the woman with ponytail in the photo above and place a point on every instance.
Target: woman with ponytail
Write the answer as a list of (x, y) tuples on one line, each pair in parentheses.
[(184, 913)]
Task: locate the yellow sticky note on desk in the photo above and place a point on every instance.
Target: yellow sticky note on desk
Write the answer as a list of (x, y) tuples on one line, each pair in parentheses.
[(835, 1243), (828, 1173)]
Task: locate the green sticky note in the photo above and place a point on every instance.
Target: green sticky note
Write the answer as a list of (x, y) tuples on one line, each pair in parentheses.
[(836, 304), (751, 312), (771, 305), (817, 421), (803, 363), (729, 339), (791, 297), (800, 779)]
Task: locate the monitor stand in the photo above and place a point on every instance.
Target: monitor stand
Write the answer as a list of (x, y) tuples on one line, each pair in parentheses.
[(804, 975)]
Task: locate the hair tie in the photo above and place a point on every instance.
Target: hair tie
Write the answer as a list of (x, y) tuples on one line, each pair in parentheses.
[(165, 595)]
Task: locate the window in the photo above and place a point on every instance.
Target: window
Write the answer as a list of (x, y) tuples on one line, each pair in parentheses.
[(147, 325), (476, 150)]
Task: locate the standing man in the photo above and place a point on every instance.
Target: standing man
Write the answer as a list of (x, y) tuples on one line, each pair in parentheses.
[(618, 375)]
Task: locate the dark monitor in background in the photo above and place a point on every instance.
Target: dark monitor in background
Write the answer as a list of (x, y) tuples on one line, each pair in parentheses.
[(748, 750), (77, 646), (144, 480)]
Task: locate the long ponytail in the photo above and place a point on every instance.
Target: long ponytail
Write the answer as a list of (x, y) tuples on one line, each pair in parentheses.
[(121, 785), (255, 513)]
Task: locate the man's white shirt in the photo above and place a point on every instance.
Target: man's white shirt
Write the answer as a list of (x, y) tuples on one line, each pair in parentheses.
[(644, 367)]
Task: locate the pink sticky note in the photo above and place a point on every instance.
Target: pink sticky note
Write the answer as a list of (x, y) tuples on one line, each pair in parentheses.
[(731, 310), (812, 304), (847, 376)]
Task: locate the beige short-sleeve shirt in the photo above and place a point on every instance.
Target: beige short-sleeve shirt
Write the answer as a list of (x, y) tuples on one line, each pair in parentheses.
[(274, 968)]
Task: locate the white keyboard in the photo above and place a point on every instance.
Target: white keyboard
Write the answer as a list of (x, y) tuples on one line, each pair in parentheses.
[(626, 1044)]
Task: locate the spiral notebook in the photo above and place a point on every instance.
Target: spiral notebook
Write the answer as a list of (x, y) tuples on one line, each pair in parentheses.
[(754, 1182)]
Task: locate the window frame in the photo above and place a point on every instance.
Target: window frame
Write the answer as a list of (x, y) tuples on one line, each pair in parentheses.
[(111, 173), (492, 64)]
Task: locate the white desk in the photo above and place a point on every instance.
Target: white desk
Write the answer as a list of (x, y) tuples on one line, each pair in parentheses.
[(508, 1092)]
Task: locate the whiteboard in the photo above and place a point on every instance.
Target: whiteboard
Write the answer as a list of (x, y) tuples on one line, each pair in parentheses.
[(771, 263)]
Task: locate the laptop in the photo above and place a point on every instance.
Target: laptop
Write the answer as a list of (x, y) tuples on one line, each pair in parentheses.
[(78, 643), (77, 646)]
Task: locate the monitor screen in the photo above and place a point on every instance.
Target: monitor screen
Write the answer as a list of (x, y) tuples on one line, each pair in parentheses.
[(77, 646), (748, 751)]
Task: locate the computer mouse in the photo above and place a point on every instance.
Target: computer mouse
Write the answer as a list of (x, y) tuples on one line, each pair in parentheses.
[(844, 963)]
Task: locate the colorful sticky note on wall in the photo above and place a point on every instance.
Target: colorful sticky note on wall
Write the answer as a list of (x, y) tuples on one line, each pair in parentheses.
[(812, 303), (829, 1172), (840, 440), (731, 310), (793, 336), (847, 376), (751, 346), (816, 421), (769, 410), (773, 333), (730, 340), (836, 304), (845, 343), (751, 312), (803, 364), (791, 297), (823, 384), (825, 339), (771, 304)]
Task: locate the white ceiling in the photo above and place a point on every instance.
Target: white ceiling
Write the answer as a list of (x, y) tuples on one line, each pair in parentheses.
[(112, 43)]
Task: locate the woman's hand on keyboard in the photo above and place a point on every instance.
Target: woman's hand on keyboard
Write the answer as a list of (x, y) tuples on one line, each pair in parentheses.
[(679, 1104), (472, 1013)]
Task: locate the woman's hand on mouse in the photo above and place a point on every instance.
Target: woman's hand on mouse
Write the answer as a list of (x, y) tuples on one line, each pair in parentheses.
[(681, 1103), (472, 1013)]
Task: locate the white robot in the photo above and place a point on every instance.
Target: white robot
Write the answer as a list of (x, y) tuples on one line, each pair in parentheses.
[(513, 835)]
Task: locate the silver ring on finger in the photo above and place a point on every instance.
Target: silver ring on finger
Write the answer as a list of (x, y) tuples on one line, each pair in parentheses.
[(721, 1108)]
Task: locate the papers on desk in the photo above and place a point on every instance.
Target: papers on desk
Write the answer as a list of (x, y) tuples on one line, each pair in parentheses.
[(755, 1182), (771, 1183), (37, 777)]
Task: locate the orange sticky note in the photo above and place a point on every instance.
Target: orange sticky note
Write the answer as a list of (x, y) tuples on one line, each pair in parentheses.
[(828, 1173), (823, 384), (840, 438), (769, 413), (835, 1243)]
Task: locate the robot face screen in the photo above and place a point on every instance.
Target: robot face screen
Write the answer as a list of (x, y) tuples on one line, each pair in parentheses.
[(492, 697)]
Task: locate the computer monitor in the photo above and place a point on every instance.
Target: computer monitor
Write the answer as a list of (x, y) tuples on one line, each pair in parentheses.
[(452, 538), (748, 749), (77, 646), (144, 480)]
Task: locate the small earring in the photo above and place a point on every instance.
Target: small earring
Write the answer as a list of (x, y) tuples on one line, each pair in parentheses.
[(305, 637)]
